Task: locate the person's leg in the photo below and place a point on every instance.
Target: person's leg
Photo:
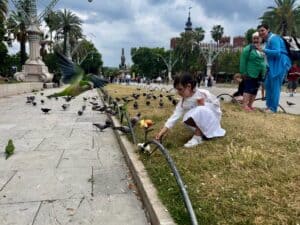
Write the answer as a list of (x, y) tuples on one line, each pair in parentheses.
[(275, 93), (191, 122), (197, 137), (268, 90), (251, 100), (246, 100)]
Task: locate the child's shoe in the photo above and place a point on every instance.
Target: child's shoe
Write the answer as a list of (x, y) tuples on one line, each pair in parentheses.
[(196, 140)]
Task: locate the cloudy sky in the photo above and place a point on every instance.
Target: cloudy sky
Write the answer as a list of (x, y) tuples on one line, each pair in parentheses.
[(116, 24)]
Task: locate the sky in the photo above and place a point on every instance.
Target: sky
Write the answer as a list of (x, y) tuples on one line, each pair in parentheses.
[(115, 24)]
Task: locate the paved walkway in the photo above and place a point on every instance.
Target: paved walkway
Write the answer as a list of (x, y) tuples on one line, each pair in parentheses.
[(63, 171)]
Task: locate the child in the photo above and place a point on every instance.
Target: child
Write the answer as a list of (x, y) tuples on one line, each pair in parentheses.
[(238, 95), (200, 110)]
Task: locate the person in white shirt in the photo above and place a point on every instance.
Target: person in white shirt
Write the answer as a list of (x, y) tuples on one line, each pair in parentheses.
[(200, 110)]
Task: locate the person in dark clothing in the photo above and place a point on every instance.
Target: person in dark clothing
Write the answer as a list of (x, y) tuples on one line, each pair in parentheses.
[(238, 95)]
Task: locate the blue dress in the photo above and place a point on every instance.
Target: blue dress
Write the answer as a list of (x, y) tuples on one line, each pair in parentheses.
[(278, 65)]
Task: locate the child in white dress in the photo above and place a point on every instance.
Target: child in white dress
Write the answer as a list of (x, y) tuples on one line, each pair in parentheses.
[(200, 110)]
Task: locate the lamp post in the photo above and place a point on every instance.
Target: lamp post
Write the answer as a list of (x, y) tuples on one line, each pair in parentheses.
[(210, 52), (170, 63)]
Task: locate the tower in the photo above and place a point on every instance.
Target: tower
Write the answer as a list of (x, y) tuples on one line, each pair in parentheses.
[(188, 24)]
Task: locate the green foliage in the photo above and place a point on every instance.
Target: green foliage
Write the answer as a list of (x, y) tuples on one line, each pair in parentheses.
[(147, 61), (217, 33), (283, 18), (92, 59), (51, 62), (9, 149), (248, 35), (228, 62)]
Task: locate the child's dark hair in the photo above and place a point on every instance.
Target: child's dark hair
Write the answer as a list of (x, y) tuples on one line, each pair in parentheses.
[(184, 79)]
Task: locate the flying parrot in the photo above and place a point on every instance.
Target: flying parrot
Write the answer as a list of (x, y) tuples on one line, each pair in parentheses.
[(74, 75)]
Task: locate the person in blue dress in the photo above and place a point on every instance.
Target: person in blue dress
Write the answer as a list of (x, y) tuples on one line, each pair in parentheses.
[(278, 65)]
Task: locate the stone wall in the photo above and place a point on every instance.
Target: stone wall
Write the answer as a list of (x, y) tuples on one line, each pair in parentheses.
[(19, 88)]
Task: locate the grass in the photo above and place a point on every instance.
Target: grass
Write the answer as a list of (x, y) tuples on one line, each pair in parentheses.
[(250, 176)]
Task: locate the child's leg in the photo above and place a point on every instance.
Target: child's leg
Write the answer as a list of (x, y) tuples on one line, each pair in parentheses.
[(191, 122)]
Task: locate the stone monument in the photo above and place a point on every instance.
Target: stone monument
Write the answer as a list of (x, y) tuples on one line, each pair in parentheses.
[(34, 69)]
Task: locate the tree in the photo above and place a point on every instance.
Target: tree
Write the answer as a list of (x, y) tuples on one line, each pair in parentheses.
[(147, 61), (248, 35), (199, 34), (217, 33), (68, 25), (3, 10), (17, 26), (92, 61), (284, 18)]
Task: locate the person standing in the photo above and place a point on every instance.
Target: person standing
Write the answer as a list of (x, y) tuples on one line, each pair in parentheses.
[(278, 65), (292, 77), (253, 67)]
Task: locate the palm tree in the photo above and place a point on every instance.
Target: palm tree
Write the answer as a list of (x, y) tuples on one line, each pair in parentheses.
[(52, 21), (217, 33), (199, 34), (16, 26), (3, 10), (69, 25), (284, 18)]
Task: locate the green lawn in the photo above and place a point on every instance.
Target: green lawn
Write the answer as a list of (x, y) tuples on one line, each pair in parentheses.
[(250, 176)]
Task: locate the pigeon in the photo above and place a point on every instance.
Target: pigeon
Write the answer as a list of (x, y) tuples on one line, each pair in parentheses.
[(94, 103), (65, 106), (290, 103), (94, 98), (154, 97), (161, 103), (45, 110), (85, 99), (174, 102), (68, 98), (124, 129), (80, 113), (118, 99), (147, 103), (134, 120), (34, 103), (101, 126), (161, 95), (135, 105), (42, 101), (56, 98), (42, 93), (83, 107)]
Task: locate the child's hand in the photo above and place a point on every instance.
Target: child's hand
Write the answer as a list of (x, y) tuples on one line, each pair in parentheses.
[(201, 101), (161, 133)]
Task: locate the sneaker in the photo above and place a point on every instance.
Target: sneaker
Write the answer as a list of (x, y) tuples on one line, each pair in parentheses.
[(196, 140)]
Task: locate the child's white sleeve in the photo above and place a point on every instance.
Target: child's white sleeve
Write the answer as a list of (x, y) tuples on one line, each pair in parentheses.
[(178, 112)]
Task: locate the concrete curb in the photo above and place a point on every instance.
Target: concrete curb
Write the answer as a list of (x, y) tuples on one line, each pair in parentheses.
[(157, 211), (19, 88)]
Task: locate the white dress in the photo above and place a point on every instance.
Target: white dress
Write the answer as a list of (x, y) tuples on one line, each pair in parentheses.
[(206, 117)]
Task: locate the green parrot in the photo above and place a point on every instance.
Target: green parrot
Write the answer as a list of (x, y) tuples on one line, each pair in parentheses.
[(9, 150), (74, 75)]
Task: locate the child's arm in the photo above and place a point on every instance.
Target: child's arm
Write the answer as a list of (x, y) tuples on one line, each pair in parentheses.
[(171, 121)]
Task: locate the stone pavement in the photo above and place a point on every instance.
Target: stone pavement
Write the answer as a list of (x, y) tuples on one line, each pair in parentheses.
[(63, 171)]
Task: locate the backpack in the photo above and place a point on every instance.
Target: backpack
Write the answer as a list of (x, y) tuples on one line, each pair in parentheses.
[(292, 46)]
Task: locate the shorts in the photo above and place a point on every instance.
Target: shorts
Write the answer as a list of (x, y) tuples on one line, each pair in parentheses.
[(251, 85), (292, 84)]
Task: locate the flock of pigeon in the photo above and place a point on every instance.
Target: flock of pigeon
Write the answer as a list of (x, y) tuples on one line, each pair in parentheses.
[(95, 106)]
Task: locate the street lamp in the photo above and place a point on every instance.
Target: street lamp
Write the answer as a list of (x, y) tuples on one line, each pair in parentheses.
[(210, 52), (169, 64)]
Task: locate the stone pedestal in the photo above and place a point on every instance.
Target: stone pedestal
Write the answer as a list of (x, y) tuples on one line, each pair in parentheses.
[(34, 69)]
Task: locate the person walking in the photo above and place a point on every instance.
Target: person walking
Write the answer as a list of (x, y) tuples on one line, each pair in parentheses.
[(278, 64)]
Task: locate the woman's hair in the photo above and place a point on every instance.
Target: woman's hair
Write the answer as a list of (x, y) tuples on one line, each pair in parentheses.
[(184, 79), (237, 75), (266, 26)]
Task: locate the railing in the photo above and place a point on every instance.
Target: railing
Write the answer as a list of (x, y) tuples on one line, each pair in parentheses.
[(123, 113)]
